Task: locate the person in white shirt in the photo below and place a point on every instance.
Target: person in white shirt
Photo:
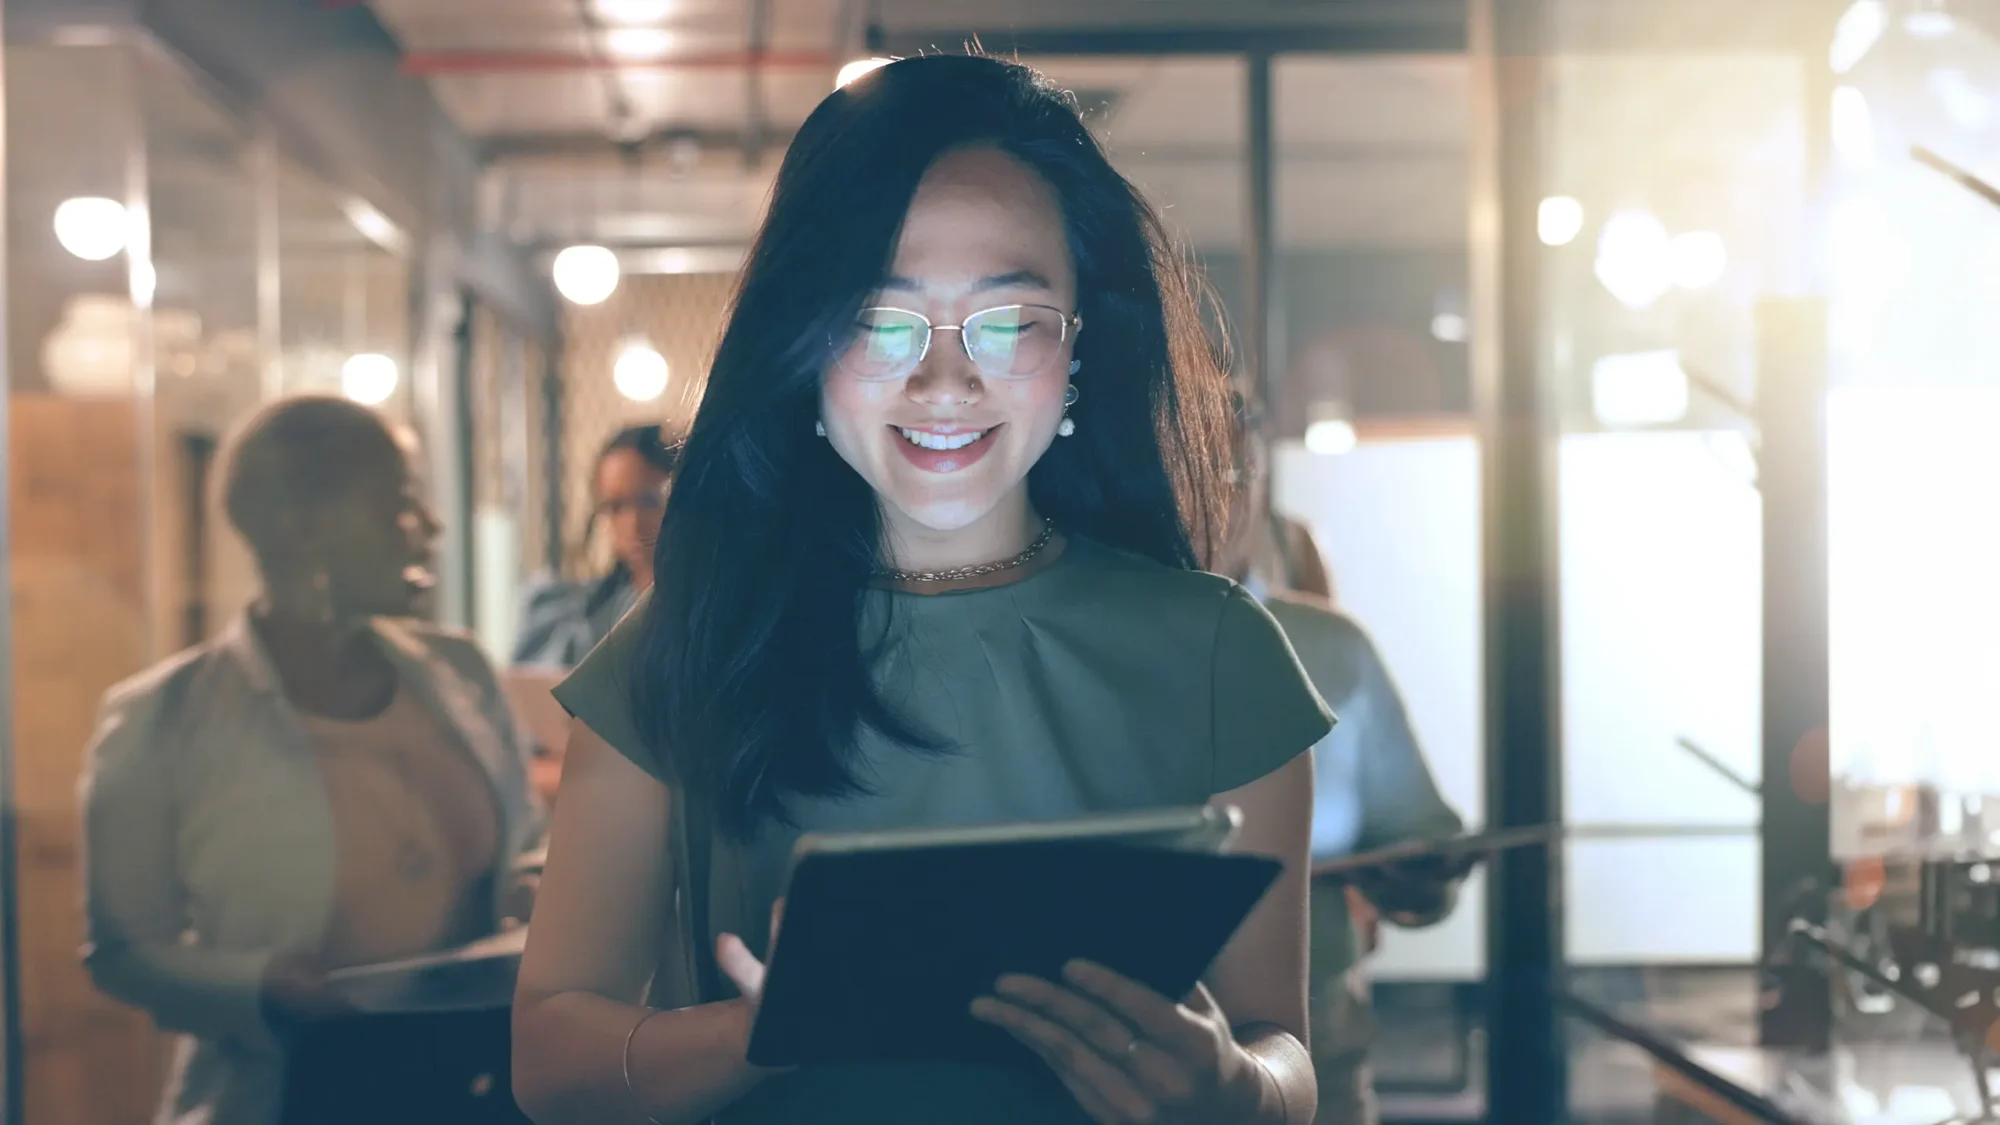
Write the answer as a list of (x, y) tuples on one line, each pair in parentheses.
[(328, 783)]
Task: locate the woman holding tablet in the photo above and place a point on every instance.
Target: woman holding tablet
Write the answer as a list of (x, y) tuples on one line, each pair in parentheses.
[(931, 560)]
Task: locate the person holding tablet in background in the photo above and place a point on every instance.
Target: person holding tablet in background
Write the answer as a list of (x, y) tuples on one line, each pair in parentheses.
[(562, 619), (932, 560), (329, 782), (1373, 790)]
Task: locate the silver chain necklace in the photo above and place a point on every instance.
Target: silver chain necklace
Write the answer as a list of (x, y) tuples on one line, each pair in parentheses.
[(962, 572)]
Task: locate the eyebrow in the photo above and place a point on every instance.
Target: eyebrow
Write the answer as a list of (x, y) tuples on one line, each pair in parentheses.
[(1019, 279)]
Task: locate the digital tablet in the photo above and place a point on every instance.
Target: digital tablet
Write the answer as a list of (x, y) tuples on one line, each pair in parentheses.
[(470, 976), (1470, 847), (887, 938), (1210, 828), (403, 1068)]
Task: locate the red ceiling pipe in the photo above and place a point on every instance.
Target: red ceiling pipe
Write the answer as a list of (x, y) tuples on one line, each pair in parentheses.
[(427, 64)]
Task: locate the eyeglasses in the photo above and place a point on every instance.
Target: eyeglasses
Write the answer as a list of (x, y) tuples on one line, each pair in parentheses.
[(1009, 342), (644, 502)]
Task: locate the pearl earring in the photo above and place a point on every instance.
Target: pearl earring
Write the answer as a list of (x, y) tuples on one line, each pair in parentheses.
[(1067, 426), (819, 428)]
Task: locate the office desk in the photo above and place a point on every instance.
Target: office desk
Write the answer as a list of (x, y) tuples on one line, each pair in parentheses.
[(1868, 1084), (1905, 1083)]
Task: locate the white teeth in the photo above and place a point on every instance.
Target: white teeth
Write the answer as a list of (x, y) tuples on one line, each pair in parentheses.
[(941, 441)]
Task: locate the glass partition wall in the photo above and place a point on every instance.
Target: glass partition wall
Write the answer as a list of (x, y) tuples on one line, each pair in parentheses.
[(344, 296), (169, 271), (81, 600), (1675, 203), (1377, 454)]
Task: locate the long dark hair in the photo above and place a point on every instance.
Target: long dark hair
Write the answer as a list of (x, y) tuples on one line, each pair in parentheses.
[(752, 679)]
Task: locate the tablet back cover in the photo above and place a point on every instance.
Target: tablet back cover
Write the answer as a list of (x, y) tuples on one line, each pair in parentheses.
[(881, 955)]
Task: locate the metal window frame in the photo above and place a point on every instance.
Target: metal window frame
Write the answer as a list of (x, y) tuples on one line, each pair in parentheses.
[(1527, 1060), (13, 1053)]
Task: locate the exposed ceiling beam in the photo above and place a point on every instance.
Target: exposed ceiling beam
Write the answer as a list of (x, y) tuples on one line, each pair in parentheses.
[(595, 145), (754, 135), (657, 253), (432, 64), (521, 148), (623, 121), (1431, 33)]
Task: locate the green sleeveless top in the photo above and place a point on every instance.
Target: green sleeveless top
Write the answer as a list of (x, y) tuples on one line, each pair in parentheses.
[(1102, 682)]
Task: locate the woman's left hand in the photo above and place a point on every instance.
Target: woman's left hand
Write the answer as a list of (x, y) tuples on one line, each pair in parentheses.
[(1128, 1054)]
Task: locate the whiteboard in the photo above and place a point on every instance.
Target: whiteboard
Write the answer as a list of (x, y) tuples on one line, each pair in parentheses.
[(1661, 619), (1399, 522)]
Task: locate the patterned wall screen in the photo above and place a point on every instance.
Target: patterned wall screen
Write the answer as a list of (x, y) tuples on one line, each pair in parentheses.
[(680, 316)]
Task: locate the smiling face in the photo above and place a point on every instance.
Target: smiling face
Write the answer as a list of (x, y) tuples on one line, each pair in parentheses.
[(947, 444)]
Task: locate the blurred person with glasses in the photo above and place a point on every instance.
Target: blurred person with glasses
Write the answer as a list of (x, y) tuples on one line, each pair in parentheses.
[(563, 618), (1282, 551), (1372, 787)]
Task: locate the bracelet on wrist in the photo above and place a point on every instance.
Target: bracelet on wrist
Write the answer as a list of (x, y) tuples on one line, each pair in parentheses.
[(625, 1065)]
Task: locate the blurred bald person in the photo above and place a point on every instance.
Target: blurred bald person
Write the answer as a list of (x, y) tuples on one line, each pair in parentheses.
[(326, 784)]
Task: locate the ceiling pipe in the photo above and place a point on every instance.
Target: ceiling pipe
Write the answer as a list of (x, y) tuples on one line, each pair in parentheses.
[(623, 121), (753, 92), (430, 64)]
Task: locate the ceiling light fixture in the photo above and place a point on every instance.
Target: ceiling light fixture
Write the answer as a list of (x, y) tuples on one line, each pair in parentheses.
[(630, 12), (374, 226), (586, 275), (368, 378), (92, 228), (638, 44), (640, 372), (1559, 220), (1635, 258)]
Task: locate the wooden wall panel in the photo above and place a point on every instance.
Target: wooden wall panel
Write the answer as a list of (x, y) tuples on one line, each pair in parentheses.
[(81, 623)]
